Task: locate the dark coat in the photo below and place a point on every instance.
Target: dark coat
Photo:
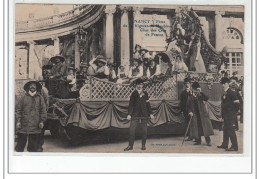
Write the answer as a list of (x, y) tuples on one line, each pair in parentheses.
[(198, 108), (183, 101), (139, 106), (30, 111), (228, 107)]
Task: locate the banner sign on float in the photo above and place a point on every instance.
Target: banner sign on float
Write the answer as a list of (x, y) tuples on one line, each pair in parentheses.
[(150, 31)]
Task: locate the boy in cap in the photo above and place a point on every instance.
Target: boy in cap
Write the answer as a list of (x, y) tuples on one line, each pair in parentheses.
[(30, 114), (138, 112), (229, 108)]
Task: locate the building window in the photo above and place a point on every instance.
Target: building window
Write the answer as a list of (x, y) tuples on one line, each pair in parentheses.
[(235, 62), (233, 34)]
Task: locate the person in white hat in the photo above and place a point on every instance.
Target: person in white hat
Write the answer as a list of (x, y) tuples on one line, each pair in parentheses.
[(98, 67)]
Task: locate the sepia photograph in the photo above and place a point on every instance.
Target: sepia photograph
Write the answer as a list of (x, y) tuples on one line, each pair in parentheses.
[(115, 78)]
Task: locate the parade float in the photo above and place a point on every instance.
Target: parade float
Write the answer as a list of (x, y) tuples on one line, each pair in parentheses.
[(102, 106)]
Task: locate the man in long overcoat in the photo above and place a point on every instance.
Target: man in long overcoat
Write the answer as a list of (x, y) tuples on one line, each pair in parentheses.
[(30, 115), (200, 121), (139, 111), (229, 108), (183, 102)]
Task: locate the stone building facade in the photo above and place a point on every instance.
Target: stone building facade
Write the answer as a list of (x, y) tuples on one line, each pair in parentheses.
[(113, 31)]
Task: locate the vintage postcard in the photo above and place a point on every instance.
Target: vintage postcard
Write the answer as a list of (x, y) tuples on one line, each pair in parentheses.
[(104, 77), (128, 78)]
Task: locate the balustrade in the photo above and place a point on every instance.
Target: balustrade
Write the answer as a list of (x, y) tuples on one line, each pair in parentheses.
[(48, 21)]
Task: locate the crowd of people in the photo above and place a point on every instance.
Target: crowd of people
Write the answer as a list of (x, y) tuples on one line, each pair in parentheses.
[(31, 111), (196, 117), (68, 80)]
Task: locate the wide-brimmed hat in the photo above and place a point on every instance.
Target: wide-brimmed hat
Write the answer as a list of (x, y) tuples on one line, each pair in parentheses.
[(62, 59), (195, 85), (100, 58), (27, 85)]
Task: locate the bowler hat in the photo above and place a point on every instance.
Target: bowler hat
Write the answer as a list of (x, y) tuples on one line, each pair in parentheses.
[(53, 59), (224, 80), (138, 81), (27, 85), (195, 85)]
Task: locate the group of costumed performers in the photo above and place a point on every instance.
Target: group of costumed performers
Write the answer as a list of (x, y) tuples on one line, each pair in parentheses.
[(183, 46), (145, 65)]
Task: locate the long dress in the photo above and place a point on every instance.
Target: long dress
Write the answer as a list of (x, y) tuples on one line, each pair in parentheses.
[(196, 61)]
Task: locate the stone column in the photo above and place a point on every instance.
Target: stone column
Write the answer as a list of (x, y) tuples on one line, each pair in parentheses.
[(218, 30), (125, 43), (137, 36), (35, 68), (56, 45), (31, 59), (109, 33)]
